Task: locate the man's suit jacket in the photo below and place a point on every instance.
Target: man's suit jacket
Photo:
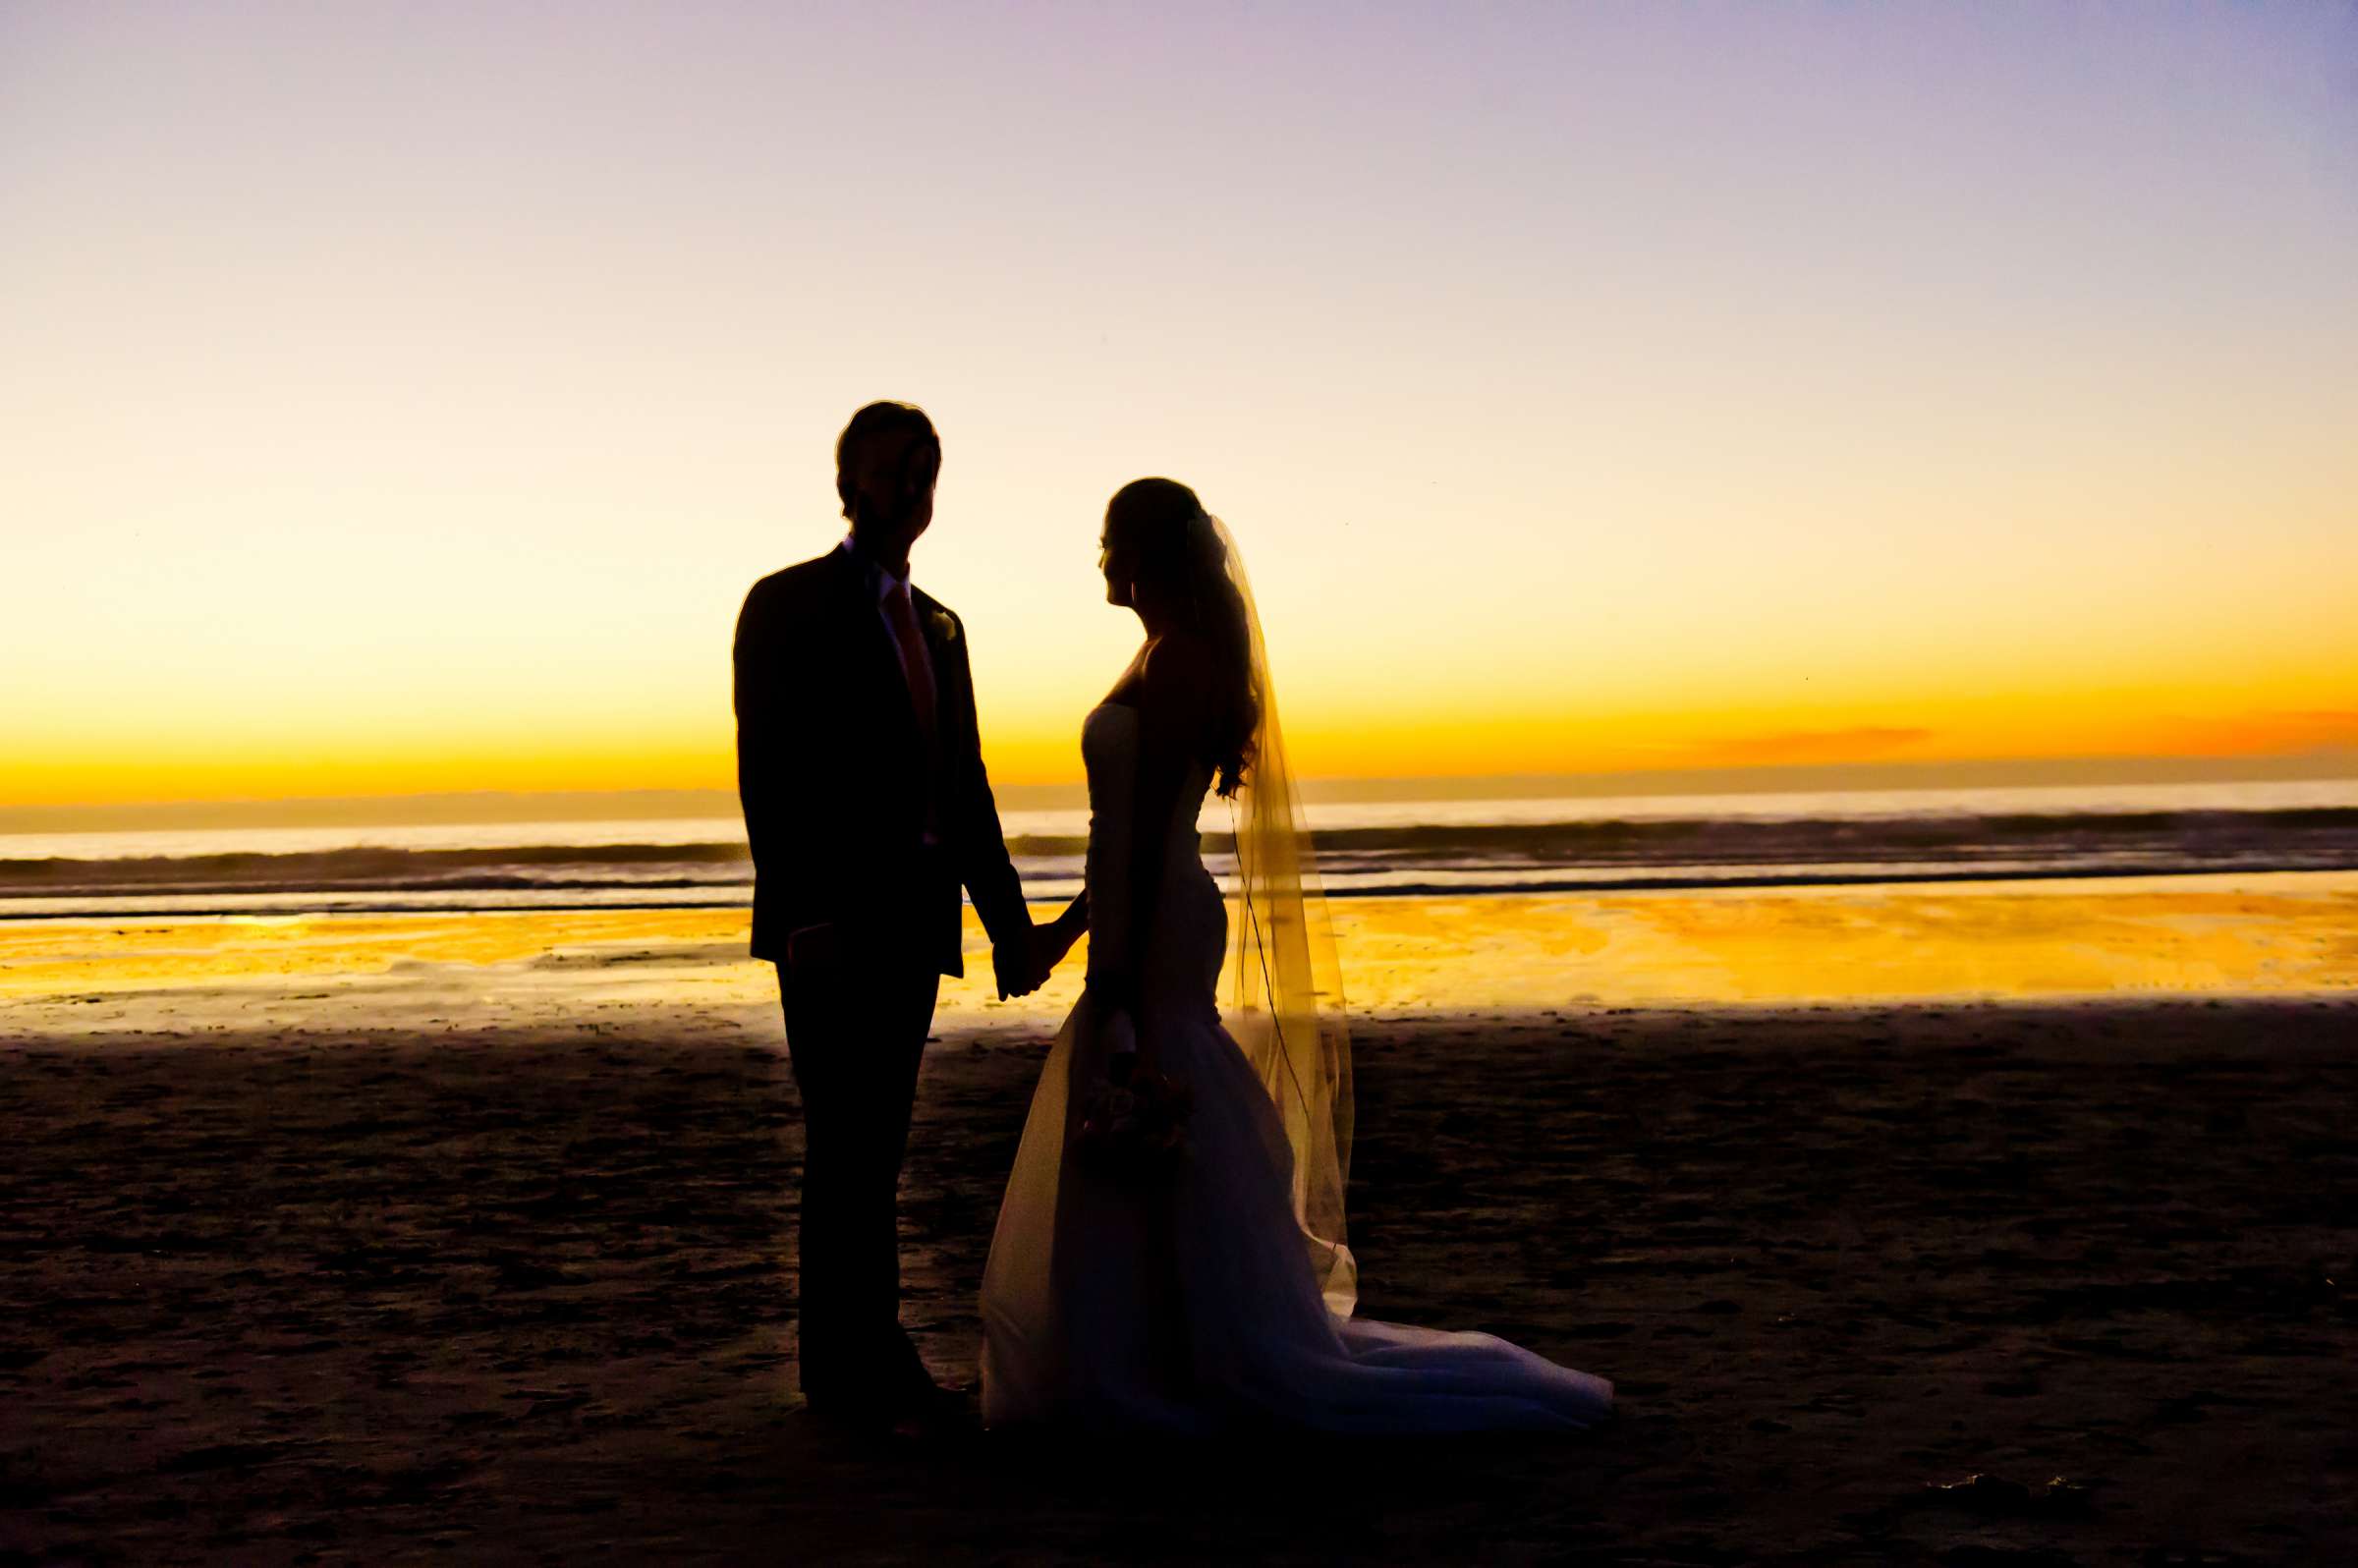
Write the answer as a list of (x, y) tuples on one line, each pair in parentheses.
[(831, 768)]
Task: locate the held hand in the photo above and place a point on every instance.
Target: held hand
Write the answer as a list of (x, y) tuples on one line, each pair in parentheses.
[(1020, 973), (1017, 967)]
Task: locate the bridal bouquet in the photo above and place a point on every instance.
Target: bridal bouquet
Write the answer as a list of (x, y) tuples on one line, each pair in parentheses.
[(1133, 1121)]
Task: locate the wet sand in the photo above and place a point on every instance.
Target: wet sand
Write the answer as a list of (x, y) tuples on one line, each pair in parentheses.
[(523, 1290), (2275, 934)]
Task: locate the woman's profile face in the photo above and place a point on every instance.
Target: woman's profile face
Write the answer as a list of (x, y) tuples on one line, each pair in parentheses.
[(1117, 561)]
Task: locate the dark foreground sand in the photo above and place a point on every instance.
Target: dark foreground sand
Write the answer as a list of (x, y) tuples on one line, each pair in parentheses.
[(527, 1296)]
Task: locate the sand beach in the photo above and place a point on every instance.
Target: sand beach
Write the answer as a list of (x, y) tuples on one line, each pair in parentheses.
[(491, 1260)]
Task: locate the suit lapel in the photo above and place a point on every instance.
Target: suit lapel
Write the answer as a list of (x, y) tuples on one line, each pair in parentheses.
[(953, 700), (878, 659), (932, 624)]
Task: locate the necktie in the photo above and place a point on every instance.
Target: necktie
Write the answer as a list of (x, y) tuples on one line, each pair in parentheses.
[(901, 616), (918, 670)]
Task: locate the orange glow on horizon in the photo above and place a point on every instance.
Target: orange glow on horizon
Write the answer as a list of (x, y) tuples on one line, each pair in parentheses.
[(2056, 729)]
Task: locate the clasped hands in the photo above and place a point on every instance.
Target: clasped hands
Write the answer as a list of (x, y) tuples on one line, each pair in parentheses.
[(1021, 966)]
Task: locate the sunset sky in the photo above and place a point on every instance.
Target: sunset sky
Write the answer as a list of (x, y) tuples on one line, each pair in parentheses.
[(401, 398)]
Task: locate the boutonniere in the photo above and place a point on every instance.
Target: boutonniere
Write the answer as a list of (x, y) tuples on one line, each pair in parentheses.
[(945, 627)]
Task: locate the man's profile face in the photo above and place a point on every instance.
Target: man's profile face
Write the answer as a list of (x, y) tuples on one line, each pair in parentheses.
[(894, 478)]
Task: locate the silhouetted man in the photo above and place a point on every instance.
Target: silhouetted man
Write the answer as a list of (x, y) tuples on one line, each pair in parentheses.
[(861, 774)]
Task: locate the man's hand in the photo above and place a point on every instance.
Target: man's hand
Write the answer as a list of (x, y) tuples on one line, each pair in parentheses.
[(1023, 969), (1018, 965)]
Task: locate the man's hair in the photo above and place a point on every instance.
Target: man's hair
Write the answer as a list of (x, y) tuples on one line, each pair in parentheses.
[(869, 424)]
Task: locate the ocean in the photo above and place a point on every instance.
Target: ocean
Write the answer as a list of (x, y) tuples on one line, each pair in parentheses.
[(1458, 848)]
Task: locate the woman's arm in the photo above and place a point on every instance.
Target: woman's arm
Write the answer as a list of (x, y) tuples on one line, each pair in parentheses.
[(1060, 933)]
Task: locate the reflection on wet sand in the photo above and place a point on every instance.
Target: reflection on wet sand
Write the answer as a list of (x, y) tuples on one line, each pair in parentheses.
[(2290, 934)]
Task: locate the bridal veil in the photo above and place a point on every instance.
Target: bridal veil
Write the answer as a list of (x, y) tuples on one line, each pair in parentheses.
[(1283, 990)]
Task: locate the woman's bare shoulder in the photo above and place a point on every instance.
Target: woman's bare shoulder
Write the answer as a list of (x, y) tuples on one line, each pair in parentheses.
[(1176, 661), (1175, 677)]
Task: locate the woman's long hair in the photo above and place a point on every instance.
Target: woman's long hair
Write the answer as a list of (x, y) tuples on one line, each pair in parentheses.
[(1180, 555)]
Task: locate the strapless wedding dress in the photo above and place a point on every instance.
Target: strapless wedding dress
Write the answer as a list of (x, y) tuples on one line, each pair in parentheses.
[(1192, 1305)]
